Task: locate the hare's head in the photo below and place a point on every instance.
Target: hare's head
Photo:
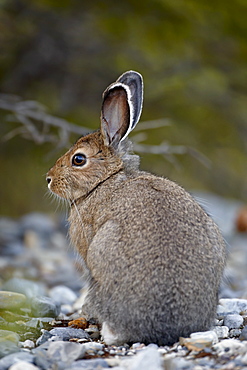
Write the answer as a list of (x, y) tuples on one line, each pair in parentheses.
[(97, 156)]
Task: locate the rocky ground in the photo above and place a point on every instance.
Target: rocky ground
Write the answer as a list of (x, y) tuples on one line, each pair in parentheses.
[(40, 293)]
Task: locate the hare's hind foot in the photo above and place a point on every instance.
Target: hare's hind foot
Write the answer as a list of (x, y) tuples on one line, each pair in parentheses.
[(109, 336)]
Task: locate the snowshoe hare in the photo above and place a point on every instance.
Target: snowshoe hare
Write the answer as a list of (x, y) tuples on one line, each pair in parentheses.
[(154, 257)]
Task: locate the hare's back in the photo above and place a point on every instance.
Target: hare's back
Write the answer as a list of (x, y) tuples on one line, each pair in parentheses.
[(157, 215)]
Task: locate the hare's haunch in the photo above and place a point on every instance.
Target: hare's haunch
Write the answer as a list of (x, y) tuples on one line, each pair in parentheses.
[(154, 258)]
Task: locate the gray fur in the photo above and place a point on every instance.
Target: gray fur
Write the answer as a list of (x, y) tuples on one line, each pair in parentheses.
[(155, 258)]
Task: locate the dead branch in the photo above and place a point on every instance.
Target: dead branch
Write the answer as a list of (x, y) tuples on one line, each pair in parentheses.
[(38, 126)]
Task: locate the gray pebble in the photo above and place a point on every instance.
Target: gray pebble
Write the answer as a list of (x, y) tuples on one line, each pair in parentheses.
[(66, 352), (96, 364), (11, 359), (147, 359), (178, 363), (44, 337), (233, 321), (66, 309), (8, 343), (62, 295), (27, 287), (44, 307), (40, 357), (68, 333), (243, 335), (7, 347)]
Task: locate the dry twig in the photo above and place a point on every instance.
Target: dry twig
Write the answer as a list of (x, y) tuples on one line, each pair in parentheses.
[(40, 127)]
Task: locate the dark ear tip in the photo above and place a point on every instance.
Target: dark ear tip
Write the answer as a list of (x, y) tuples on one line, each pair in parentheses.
[(129, 76)]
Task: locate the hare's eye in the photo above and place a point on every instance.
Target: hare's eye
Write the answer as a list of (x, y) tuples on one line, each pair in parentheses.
[(79, 159)]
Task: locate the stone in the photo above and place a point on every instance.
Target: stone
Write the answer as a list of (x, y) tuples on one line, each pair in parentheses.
[(199, 340), (93, 346), (10, 231), (233, 333), (230, 347), (62, 295), (12, 249), (231, 306), (66, 352), (9, 335), (44, 307), (40, 357), (28, 344), (23, 365), (243, 335), (8, 343), (66, 309), (234, 321), (7, 361), (11, 300), (39, 223), (96, 364), (243, 359), (221, 331), (27, 287), (66, 334), (93, 331), (147, 359), (178, 363), (44, 337), (38, 322), (7, 347)]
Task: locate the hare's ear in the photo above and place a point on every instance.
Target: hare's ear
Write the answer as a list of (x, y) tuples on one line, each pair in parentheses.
[(121, 108)]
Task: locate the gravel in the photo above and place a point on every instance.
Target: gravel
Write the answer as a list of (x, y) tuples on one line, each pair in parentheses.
[(40, 293)]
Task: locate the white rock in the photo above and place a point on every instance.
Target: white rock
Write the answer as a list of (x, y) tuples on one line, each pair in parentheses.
[(28, 344), (243, 359), (23, 365), (93, 346), (199, 340), (233, 321), (66, 309), (230, 346), (61, 294), (209, 336), (233, 305), (221, 331), (65, 351), (147, 359)]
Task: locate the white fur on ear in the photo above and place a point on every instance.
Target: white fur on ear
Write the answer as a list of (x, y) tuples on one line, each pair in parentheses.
[(134, 96), (121, 107)]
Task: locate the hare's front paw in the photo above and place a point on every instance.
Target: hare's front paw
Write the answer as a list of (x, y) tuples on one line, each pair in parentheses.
[(108, 336)]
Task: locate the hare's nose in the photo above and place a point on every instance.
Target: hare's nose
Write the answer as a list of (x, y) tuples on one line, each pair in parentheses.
[(48, 179)]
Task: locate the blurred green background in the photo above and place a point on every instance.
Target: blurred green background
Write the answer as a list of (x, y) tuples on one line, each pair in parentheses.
[(192, 55)]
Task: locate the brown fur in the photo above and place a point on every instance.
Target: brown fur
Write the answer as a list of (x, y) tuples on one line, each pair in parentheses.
[(155, 258)]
